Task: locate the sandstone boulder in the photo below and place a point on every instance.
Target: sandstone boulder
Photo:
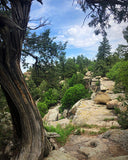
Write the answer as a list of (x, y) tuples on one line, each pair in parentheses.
[(52, 115), (73, 110), (112, 104), (117, 95), (62, 122), (65, 113), (59, 155), (106, 84), (102, 98), (95, 84), (89, 73)]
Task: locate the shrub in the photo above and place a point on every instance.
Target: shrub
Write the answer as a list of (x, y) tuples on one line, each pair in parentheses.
[(63, 132), (42, 108), (122, 117), (51, 97), (119, 73), (72, 95), (76, 79), (43, 86)]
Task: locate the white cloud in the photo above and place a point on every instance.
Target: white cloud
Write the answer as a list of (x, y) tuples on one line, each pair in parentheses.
[(77, 36), (80, 37), (84, 37)]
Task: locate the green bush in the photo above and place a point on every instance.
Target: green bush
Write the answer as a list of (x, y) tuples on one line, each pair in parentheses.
[(51, 97), (43, 86), (76, 79), (122, 117), (72, 95), (42, 106), (63, 132), (119, 73)]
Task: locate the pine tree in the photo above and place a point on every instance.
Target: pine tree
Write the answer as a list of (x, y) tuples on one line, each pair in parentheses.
[(103, 50), (103, 62)]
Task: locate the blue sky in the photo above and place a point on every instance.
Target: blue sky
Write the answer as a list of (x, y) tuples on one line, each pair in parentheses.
[(66, 24)]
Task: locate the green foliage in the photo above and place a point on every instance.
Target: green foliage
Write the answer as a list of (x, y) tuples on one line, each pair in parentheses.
[(98, 83), (100, 68), (72, 95), (76, 79), (104, 49), (122, 116), (89, 126), (35, 92), (43, 87), (103, 62), (82, 63), (51, 97), (70, 68), (45, 51), (63, 132), (61, 65), (109, 119), (97, 12), (102, 130), (119, 73), (77, 131), (114, 127), (42, 106), (122, 52)]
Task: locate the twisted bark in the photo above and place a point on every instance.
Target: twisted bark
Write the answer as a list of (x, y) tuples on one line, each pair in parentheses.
[(31, 142)]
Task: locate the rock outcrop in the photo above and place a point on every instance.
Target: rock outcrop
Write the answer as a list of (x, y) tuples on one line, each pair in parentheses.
[(113, 104), (118, 136), (59, 155), (52, 115), (87, 112), (102, 98), (94, 148), (106, 84)]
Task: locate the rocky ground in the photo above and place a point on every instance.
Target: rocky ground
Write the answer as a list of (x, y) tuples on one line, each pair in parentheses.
[(102, 138), (88, 146)]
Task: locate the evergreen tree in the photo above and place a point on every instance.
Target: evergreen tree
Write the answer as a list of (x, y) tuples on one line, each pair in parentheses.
[(70, 67), (103, 62), (45, 51), (103, 50), (27, 122), (61, 65)]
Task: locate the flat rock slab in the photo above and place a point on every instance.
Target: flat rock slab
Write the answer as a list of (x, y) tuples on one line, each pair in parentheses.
[(59, 155), (85, 147), (119, 158), (90, 113)]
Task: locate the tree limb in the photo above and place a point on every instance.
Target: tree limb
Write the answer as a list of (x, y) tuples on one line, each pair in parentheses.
[(44, 23), (30, 54)]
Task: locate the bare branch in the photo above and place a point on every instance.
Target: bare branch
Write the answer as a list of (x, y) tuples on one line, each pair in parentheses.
[(30, 54), (44, 23), (40, 1)]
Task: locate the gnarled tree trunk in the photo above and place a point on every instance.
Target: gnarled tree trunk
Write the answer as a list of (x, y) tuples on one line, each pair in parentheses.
[(31, 142)]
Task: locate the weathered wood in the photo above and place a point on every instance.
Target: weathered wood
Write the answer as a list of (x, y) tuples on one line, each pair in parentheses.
[(30, 139)]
